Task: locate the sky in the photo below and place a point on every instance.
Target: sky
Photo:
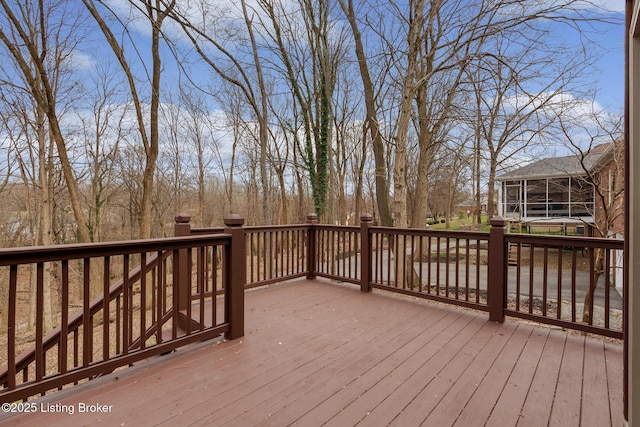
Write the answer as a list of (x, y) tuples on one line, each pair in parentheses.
[(610, 66)]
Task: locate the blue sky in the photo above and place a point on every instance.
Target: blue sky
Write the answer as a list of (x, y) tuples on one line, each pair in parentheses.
[(609, 71), (610, 68), (608, 75)]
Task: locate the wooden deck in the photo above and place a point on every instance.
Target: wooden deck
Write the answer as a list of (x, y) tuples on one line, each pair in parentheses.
[(318, 353)]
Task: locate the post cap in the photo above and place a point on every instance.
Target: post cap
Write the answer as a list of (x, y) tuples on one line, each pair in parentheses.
[(312, 218), (233, 220), (366, 217), (182, 218), (498, 221)]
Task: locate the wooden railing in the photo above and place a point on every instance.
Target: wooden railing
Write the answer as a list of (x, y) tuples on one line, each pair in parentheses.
[(549, 279), (137, 299), (119, 303), (572, 282)]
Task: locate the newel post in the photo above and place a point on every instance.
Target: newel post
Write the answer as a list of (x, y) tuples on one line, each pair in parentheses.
[(312, 220), (236, 273), (365, 252), (496, 286), (182, 227)]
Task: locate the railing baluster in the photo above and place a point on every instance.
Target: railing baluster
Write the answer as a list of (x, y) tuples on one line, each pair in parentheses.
[(478, 262), (545, 277), (125, 304), (87, 323), (106, 282), (592, 280), (531, 265), (154, 294), (446, 261), (429, 259), (262, 264), (11, 327), (76, 350), (295, 250), (438, 266), (457, 261), (201, 282), (396, 259), (559, 297), (412, 259), (143, 300), (518, 274), (607, 286), (467, 265), (160, 298), (39, 320), (189, 286), (275, 254), (420, 258), (574, 263), (401, 260), (175, 301), (270, 257), (214, 284), (250, 251), (64, 319)]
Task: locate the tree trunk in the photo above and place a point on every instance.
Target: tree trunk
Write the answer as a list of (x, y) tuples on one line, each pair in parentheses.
[(491, 182), (598, 255), (372, 123)]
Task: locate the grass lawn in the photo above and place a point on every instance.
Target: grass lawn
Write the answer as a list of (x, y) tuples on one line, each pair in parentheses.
[(458, 223)]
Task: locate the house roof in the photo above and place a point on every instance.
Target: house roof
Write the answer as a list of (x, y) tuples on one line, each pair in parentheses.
[(558, 166)]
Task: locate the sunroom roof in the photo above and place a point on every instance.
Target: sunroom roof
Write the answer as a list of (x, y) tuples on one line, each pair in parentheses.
[(554, 167)]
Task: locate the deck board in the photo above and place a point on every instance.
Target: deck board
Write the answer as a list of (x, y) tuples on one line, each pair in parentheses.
[(567, 405), (479, 406), (537, 406), (595, 384), (473, 374), (319, 353)]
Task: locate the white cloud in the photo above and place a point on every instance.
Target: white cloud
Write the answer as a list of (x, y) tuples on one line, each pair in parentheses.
[(610, 5), (81, 61)]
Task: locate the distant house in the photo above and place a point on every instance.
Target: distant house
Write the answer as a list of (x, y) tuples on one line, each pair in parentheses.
[(562, 191)]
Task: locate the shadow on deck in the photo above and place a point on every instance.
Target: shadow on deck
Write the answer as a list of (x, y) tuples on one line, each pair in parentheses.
[(320, 353)]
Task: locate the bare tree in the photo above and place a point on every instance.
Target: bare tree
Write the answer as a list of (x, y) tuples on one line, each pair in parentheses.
[(224, 55), (200, 132), (310, 56), (102, 130), (41, 44), (40, 40), (348, 153), (513, 92), (372, 126), (279, 155), (595, 139), (155, 11)]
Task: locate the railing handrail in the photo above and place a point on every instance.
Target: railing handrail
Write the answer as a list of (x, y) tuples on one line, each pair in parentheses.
[(466, 234), (553, 240), (36, 254)]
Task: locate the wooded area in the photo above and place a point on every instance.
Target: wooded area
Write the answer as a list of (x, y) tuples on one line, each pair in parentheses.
[(118, 115)]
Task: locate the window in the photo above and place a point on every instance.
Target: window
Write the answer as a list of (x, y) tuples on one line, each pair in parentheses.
[(582, 200), (537, 198)]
